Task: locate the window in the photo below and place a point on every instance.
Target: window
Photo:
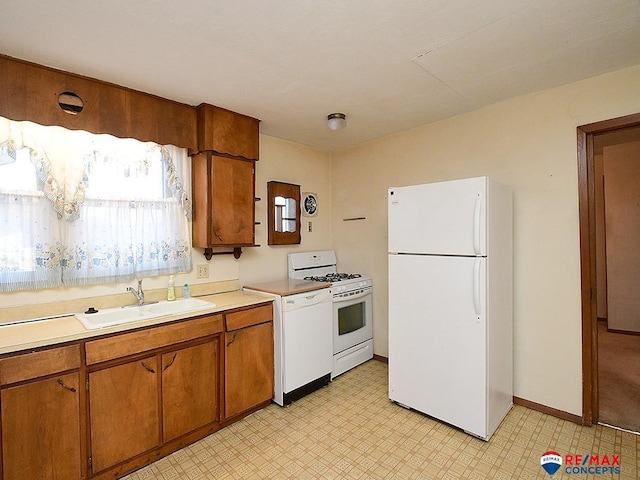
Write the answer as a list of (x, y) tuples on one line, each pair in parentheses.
[(78, 208)]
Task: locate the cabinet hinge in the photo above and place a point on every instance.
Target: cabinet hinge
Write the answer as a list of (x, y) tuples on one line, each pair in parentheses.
[(87, 385), (90, 463)]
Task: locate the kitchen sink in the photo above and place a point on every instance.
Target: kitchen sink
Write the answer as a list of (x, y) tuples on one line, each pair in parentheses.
[(178, 306), (117, 316)]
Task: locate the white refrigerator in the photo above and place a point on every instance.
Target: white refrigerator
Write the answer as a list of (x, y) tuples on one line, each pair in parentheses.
[(450, 301)]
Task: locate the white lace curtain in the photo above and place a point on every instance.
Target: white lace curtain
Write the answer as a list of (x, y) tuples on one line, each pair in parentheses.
[(78, 209)]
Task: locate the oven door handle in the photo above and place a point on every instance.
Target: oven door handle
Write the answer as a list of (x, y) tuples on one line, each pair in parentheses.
[(352, 297)]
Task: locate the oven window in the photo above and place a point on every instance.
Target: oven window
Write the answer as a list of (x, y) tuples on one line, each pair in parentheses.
[(350, 318)]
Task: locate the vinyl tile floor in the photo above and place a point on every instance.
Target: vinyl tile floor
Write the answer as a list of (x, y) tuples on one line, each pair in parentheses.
[(350, 430)]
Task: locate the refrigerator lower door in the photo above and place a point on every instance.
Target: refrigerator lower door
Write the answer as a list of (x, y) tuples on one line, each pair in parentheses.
[(437, 338)]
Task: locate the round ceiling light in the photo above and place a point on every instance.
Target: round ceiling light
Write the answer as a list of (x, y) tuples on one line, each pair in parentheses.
[(336, 121)]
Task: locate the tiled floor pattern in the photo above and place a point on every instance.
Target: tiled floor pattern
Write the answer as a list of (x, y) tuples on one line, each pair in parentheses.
[(350, 430)]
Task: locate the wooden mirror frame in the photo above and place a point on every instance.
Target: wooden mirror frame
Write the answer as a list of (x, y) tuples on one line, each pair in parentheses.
[(287, 190)]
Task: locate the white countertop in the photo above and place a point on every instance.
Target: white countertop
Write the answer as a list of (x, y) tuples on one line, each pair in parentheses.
[(42, 333)]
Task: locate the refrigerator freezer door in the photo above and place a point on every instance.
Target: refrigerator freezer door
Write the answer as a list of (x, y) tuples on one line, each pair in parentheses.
[(445, 218), (437, 338)]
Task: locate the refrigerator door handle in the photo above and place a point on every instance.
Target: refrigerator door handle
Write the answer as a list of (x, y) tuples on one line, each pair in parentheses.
[(476, 224), (477, 302)]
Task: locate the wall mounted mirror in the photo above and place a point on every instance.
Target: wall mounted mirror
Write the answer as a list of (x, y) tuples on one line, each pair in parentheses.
[(283, 213)]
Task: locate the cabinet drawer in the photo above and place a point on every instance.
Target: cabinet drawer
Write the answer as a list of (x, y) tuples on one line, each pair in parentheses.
[(154, 337), (252, 316), (38, 364)]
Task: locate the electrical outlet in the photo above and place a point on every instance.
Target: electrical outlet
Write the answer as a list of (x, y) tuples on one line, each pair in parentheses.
[(202, 271)]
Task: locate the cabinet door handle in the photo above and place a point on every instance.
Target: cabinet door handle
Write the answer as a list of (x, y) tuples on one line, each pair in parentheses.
[(171, 362), (147, 367), (233, 339), (62, 384)]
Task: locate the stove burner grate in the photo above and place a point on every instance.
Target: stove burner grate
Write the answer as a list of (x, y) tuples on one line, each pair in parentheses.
[(333, 277)]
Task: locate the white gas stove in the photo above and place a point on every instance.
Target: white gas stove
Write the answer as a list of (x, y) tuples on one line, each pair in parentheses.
[(321, 266), (352, 306)]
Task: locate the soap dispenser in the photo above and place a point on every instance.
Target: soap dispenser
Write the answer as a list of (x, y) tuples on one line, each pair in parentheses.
[(171, 289)]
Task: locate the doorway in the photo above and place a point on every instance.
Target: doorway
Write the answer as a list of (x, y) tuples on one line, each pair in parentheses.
[(588, 138)]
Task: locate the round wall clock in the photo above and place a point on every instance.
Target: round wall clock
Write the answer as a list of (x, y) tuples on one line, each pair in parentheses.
[(309, 204)]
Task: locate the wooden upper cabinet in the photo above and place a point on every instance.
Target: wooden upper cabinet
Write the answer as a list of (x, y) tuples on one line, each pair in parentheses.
[(30, 92), (228, 133), (223, 201)]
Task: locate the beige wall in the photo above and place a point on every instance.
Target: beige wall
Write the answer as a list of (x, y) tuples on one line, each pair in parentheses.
[(528, 142), (291, 163)]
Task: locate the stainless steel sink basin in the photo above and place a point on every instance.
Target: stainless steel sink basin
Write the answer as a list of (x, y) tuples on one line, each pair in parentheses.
[(117, 316)]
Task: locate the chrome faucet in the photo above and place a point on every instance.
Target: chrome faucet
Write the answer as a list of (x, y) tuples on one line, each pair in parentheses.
[(139, 294)]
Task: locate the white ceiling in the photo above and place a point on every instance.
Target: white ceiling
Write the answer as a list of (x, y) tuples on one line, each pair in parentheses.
[(388, 65)]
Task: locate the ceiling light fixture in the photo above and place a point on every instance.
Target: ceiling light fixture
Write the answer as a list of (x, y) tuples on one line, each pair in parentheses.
[(336, 121)]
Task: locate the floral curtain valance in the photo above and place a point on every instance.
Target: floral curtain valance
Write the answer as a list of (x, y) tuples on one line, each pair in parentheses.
[(65, 180), (80, 209)]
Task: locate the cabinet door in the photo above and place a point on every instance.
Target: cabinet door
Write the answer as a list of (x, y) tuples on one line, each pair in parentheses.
[(248, 368), (41, 429), (223, 201), (189, 389), (124, 412), (233, 207)]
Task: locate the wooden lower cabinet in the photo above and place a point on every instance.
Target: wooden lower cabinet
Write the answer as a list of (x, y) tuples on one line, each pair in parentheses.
[(41, 429), (124, 410), (248, 368), (142, 405), (104, 407), (189, 389)]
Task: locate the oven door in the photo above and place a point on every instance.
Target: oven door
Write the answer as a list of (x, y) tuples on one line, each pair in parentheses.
[(352, 320)]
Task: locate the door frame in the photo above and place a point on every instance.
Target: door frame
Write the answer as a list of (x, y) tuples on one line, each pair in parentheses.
[(587, 215)]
